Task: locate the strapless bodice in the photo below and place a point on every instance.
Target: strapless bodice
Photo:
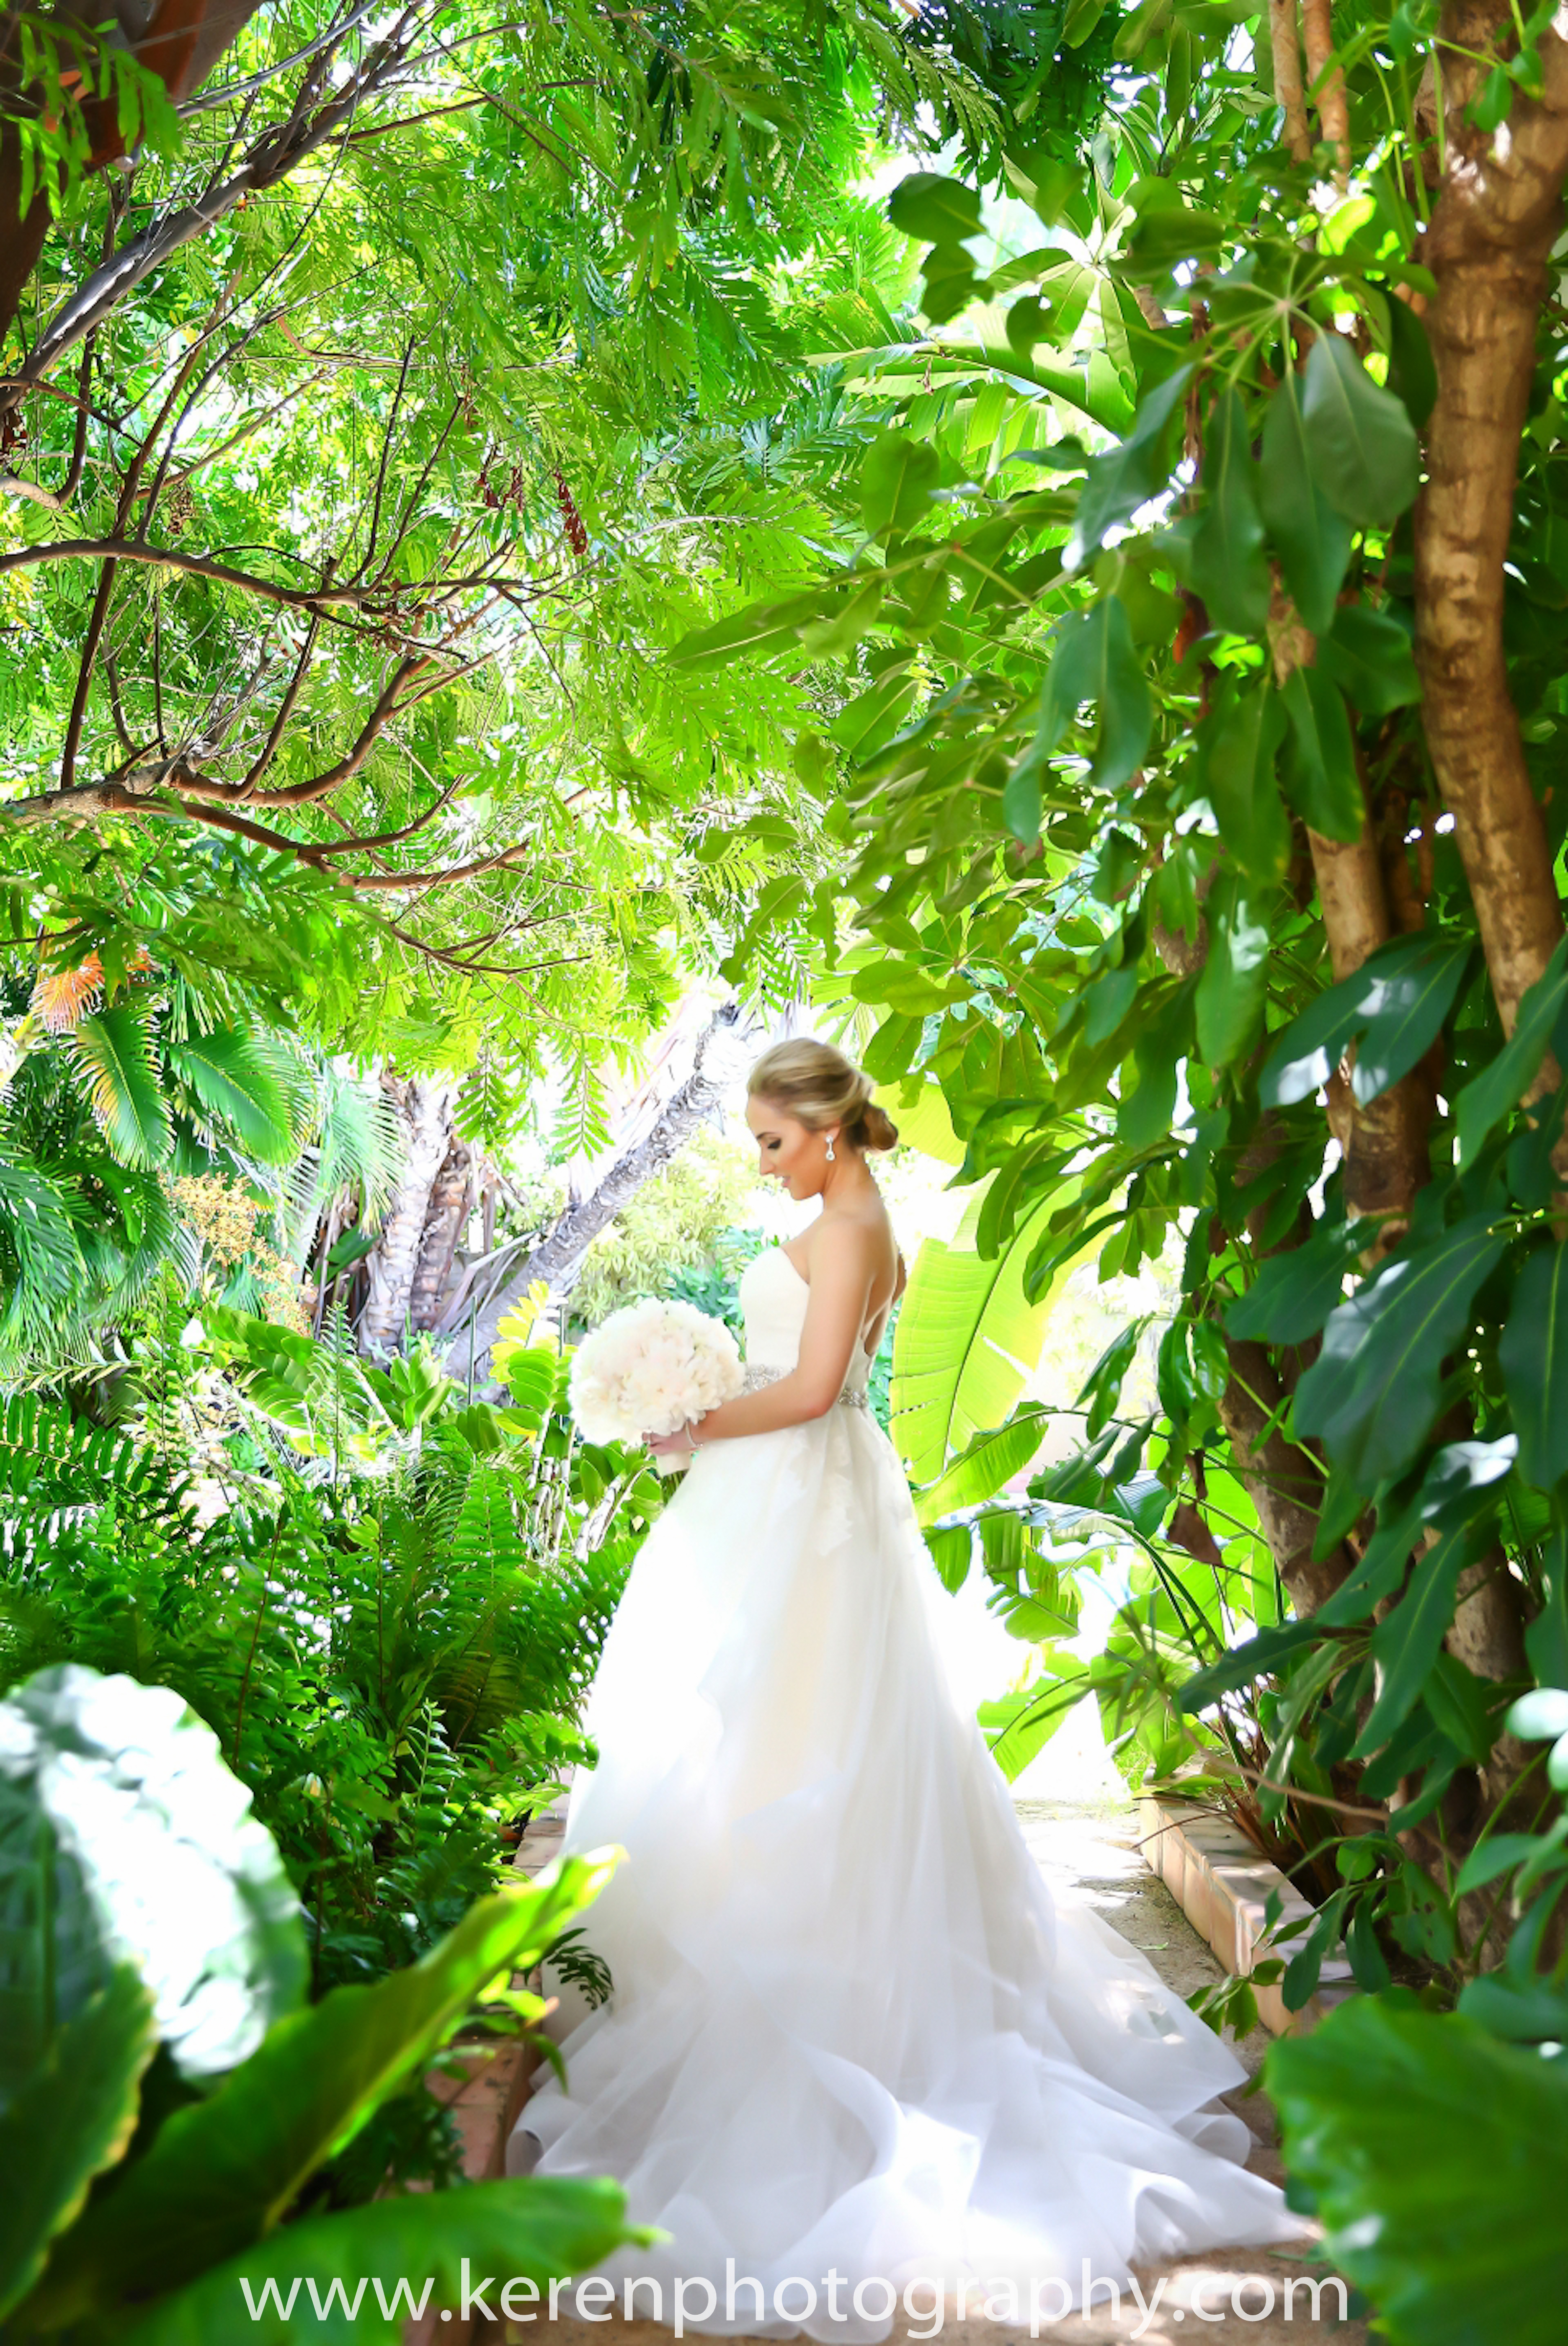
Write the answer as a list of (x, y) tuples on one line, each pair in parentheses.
[(773, 1298)]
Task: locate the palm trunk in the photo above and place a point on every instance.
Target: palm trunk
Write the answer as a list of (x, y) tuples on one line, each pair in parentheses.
[(446, 1213), (424, 1107)]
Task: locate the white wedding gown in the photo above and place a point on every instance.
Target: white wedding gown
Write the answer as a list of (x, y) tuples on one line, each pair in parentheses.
[(852, 2030)]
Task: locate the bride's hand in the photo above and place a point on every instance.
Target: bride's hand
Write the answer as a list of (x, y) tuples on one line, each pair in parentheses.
[(678, 1444)]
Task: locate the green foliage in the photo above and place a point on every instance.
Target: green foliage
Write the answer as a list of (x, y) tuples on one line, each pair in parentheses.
[(968, 1335), (225, 2170), (74, 1905), (1080, 899), (70, 2117), (66, 71), (679, 1234), (1389, 2107), (448, 452), (216, 2178), (532, 2230), (393, 1663)]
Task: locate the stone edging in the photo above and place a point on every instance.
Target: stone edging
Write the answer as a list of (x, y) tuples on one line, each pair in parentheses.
[(1222, 1886)]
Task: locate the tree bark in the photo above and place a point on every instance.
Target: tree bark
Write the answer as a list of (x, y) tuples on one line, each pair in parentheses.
[(558, 1256), (1285, 33), (1488, 247), (424, 1107), (451, 1196), (1327, 82), (1283, 1483), (1385, 1143)]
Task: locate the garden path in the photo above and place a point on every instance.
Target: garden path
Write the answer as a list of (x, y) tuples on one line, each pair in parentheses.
[(1087, 1845)]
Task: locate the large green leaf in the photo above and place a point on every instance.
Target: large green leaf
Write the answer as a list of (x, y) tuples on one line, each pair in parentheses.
[(1128, 475), (1295, 1289), (898, 477), (1093, 386), (115, 1049), (924, 1123), (1229, 1003), (1405, 991), (224, 2171), (1236, 747), (123, 1836), (935, 209), (1149, 1078), (230, 1074), (1094, 661), (1381, 1570), (758, 629), (1406, 1641), (992, 1459), (1488, 1098), (1168, 230), (1533, 1357), (1313, 541), (967, 1337), (1397, 1002), (1371, 1394), (72, 2118), (1227, 565), (340, 2277), (1367, 654), (1438, 2158), (952, 1550), (1412, 371), (1320, 772), (1017, 1726), (1360, 442), (1242, 1663)]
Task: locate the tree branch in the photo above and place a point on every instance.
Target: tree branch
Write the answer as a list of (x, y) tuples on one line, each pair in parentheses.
[(197, 565), (271, 158), (286, 707), (390, 704), (1285, 32)]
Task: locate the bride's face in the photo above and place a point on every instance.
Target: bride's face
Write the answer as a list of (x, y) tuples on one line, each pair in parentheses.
[(787, 1150)]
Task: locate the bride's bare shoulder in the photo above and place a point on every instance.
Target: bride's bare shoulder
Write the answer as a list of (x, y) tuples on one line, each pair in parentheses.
[(842, 1238), (856, 1241)]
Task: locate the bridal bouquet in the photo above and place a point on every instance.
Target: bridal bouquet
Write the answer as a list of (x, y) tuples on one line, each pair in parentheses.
[(650, 1367)]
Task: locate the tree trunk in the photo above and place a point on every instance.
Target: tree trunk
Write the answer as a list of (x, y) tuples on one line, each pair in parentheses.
[(1283, 1483), (1488, 246), (450, 1199), (558, 1256), (1385, 1144), (424, 1105)]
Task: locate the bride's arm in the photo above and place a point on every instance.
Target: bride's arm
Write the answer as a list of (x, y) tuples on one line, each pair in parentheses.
[(843, 1268)]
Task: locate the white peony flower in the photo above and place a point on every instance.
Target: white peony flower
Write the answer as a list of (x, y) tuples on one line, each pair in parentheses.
[(648, 1368)]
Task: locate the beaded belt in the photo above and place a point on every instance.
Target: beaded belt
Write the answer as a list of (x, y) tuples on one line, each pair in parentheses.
[(852, 1396)]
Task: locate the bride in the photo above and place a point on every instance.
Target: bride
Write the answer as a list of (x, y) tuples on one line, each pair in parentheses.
[(853, 2046)]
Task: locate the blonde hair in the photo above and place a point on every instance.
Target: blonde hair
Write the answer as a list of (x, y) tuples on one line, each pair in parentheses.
[(818, 1085)]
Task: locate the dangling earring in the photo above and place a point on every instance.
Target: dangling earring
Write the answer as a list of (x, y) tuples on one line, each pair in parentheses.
[(830, 1149)]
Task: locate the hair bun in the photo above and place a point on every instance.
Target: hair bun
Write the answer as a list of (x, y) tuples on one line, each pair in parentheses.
[(816, 1083)]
